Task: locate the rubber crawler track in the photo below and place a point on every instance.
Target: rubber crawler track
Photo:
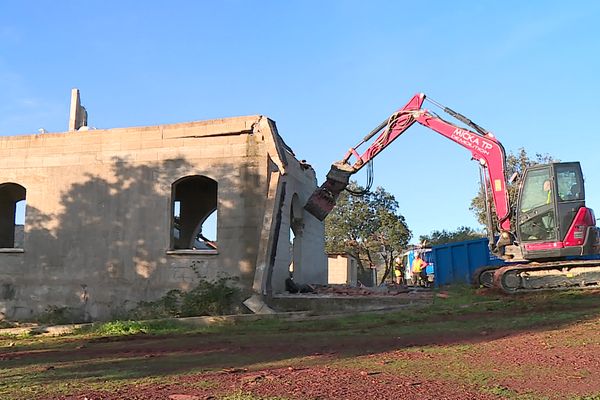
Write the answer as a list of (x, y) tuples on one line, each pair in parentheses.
[(558, 275)]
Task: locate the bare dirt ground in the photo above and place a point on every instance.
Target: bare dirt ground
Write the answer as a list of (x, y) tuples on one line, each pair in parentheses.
[(557, 359), (553, 364)]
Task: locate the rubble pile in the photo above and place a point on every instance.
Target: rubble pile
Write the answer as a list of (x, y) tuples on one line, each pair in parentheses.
[(341, 290)]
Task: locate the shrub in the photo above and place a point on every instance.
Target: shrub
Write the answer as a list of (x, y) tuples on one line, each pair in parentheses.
[(120, 328), (58, 315), (217, 297)]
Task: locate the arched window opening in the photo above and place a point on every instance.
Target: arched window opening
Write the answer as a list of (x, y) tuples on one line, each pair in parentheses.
[(292, 237), (194, 214), (12, 215)]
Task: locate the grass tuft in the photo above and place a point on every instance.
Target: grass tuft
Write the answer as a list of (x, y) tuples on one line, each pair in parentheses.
[(124, 328)]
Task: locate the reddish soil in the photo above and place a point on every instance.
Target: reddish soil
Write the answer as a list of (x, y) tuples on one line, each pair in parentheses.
[(554, 361)]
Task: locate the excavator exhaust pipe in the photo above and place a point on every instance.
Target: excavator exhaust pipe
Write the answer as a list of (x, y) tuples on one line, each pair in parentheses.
[(323, 199)]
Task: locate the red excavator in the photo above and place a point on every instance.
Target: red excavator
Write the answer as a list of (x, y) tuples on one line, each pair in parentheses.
[(555, 242)]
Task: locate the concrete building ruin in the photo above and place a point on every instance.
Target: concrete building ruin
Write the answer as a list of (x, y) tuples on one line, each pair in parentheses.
[(113, 217)]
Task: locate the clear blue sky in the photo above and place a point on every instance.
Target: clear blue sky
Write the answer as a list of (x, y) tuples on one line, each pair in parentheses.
[(327, 72)]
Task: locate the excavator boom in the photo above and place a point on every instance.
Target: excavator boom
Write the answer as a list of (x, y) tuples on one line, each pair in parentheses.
[(484, 147)]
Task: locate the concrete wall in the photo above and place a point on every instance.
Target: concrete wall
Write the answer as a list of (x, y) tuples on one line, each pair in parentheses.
[(342, 269), (99, 215)]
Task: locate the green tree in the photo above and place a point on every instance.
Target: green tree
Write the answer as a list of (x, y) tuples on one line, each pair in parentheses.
[(444, 236), (514, 163), (368, 227)]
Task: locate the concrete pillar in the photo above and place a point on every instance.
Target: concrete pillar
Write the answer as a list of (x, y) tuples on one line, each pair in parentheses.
[(78, 114)]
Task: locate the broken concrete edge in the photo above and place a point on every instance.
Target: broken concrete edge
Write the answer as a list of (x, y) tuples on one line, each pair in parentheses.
[(268, 238), (257, 305)]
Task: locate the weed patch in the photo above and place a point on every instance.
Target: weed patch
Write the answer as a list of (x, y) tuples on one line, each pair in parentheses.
[(122, 328), (217, 297), (248, 396), (59, 315)]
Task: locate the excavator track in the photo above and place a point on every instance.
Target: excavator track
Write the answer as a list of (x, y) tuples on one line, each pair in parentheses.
[(557, 275), (484, 276)]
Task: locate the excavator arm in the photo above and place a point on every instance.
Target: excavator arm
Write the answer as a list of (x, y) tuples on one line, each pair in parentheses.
[(484, 148)]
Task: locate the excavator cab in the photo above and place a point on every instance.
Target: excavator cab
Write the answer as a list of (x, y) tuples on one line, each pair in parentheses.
[(552, 220)]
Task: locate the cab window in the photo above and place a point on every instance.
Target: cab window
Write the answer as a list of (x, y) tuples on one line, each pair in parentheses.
[(536, 189), (569, 182)]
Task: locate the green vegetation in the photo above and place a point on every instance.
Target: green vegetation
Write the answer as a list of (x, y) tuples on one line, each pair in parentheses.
[(442, 237), (442, 339), (367, 226), (443, 314), (122, 328), (6, 324), (217, 297), (248, 396), (55, 315)]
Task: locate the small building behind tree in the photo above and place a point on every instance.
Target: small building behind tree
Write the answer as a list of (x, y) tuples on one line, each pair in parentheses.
[(342, 269)]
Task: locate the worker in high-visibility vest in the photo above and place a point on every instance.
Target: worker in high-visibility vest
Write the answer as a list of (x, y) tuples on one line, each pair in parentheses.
[(547, 189), (398, 271), (417, 265)]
